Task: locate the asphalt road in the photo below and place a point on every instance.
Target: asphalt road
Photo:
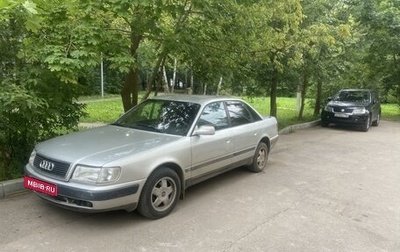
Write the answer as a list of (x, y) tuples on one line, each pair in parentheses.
[(325, 189)]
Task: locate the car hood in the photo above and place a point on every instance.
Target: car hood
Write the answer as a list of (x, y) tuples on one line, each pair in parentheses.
[(347, 104), (101, 145)]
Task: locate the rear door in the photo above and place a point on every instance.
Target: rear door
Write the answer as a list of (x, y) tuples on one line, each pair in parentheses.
[(245, 130)]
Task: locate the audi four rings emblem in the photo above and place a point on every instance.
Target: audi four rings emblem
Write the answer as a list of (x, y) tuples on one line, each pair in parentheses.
[(46, 165)]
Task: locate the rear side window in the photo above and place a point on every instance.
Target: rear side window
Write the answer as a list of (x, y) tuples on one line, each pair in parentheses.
[(238, 113)]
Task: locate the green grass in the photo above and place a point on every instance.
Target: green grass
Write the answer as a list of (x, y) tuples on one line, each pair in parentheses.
[(108, 109), (287, 113), (94, 98), (103, 110), (391, 112)]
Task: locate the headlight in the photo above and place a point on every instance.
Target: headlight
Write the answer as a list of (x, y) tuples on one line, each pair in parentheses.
[(95, 175), (32, 158), (328, 109), (360, 110)]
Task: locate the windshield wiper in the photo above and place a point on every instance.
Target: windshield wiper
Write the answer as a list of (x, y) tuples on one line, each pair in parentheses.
[(141, 126), (146, 127), (118, 124)]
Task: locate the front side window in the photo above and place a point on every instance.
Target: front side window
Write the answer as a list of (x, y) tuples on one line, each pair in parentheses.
[(171, 117), (214, 114)]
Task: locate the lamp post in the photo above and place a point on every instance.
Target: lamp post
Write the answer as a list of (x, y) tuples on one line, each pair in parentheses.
[(101, 76)]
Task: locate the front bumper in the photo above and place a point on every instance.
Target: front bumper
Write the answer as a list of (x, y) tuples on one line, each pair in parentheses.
[(351, 119), (90, 198)]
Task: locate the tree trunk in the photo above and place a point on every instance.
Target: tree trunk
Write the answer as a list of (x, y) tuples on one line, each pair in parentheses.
[(130, 88), (129, 92), (303, 93), (273, 91), (317, 107), (165, 80), (160, 62), (191, 78), (173, 81), (219, 85)]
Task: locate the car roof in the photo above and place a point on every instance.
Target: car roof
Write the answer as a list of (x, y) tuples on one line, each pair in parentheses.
[(200, 99), (355, 89)]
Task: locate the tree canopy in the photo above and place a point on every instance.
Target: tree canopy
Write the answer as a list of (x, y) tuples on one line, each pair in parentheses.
[(51, 52)]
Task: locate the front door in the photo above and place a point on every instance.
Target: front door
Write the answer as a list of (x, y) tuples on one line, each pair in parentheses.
[(212, 153)]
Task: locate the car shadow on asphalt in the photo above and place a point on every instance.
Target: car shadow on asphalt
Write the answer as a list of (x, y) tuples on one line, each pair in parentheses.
[(340, 127), (193, 193)]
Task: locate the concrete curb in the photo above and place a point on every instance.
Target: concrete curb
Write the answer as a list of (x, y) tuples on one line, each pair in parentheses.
[(293, 128), (10, 187)]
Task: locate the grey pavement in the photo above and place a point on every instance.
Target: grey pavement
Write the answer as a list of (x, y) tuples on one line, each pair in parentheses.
[(323, 190), (11, 187)]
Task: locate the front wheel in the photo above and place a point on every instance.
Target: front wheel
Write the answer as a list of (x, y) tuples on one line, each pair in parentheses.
[(260, 158), (160, 194), (367, 124), (324, 123)]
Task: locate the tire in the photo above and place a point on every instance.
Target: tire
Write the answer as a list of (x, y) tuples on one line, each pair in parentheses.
[(160, 194), (367, 124), (260, 158), (324, 124), (376, 123)]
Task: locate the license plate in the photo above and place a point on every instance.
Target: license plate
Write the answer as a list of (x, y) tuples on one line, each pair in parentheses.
[(40, 186), (341, 115)]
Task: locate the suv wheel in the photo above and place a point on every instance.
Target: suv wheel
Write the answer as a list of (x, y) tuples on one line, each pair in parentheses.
[(324, 123), (367, 124), (376, 123)]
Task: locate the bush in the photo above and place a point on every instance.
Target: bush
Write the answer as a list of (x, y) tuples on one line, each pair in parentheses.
[(32, 112)]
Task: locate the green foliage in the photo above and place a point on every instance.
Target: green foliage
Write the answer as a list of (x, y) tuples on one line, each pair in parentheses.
[(19, 110), (375, 52), (32, 112), (50, 54), (38, 84)]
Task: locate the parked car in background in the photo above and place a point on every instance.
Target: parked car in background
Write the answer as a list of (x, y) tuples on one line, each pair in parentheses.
[(149, 156), (358, 107)]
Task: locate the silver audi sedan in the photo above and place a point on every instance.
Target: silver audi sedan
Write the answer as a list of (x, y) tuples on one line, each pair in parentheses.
[(148, 157)]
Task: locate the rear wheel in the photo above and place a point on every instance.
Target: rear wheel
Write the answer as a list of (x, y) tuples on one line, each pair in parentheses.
[(160, 194), (260, 158), (378, 119)]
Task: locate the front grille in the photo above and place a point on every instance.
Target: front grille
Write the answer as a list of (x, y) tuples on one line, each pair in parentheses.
[(339, 109), (59, 170)]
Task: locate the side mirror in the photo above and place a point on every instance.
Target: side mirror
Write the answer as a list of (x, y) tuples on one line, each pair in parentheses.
[(204, 130)]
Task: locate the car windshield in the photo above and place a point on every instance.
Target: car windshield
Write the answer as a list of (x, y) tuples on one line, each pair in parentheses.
[(171, 117), (353, 96)]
